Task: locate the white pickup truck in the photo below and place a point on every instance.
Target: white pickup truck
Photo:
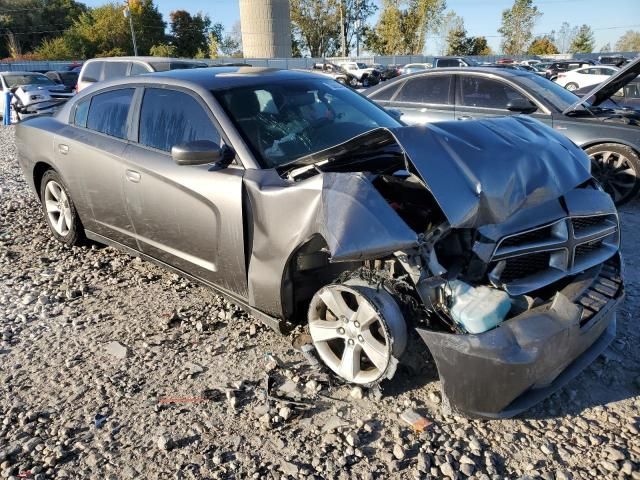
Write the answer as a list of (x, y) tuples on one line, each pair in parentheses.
[(367, 76)]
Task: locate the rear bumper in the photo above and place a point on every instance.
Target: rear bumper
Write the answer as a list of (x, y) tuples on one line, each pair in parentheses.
[(505, 371)]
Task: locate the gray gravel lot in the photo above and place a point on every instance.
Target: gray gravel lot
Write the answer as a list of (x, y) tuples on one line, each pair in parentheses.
[(111, 367)]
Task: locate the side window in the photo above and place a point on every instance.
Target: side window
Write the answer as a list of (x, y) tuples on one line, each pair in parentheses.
[(108, 112), (169, 118), (138, 69), (386, 93), (114, 70), (486, 93), (448, 62), (82, 111), (426, 89), (92, 72)]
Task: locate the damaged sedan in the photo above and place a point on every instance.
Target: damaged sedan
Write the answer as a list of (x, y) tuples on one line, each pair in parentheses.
[(486, 242)]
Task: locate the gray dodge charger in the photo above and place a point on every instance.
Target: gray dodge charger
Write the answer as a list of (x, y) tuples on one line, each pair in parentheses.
[(306, 203)]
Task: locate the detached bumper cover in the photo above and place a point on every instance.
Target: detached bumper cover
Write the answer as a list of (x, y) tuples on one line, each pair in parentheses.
[(505, 371)]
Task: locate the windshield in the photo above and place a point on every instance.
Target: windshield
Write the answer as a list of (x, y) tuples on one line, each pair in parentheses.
[(291, 119), (362, 65), (550, 91), (27, 79)]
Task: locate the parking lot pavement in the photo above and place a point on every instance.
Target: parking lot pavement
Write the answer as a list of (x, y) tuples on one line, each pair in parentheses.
[(114, 368)]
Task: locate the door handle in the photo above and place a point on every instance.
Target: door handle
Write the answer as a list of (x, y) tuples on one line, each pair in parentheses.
[(133, 176), (465, 117), (63, 149)]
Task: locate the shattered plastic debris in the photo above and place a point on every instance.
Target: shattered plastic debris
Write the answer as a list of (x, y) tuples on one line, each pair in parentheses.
[(415, 420)]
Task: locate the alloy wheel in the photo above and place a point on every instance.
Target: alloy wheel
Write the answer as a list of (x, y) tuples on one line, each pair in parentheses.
[(615, 172), (357, 331), (58, 208)]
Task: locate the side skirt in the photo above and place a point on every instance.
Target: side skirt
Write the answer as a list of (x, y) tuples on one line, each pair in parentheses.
[(272, 322)]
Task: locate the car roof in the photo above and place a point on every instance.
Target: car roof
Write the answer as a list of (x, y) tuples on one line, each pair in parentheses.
[(147, 59), (216, 78)]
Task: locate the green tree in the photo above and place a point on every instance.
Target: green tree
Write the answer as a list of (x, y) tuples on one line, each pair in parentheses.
[(450, 21), (190, 33), (629, 42), (163, 50), (403, 25), (458, 42), (584, 40), (542, 46), (316, 26), (25, 24), (564, 37), (102, 31), (231, 44), (55, 49), (479, 46), (517, 26), (606, 47), (148, 25)]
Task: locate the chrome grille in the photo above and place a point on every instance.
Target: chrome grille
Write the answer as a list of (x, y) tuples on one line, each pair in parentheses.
[(532, 259)]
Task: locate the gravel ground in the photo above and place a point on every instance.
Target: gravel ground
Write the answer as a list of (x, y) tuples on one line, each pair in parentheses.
[(114, 368)]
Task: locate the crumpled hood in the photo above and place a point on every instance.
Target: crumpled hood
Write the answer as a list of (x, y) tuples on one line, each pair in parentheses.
[(481, 172)]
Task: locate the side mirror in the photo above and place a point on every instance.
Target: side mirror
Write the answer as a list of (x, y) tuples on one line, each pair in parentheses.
[(199, 152), (521, 105)]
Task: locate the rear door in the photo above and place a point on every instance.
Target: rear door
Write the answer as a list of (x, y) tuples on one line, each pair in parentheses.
[(480, 97), (90, 151), (425, 98), (189, 217)]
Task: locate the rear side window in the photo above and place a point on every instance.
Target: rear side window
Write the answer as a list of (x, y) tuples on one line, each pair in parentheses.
[(486, 93), (448, 62), (426, 89), (108, 112), (138, 69), (386, 93), (169, 118), (82, 111), (114, 70), (92, 72)]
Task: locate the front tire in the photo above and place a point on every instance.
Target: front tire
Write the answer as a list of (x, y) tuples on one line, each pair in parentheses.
[(353, 82), (59, 210), (617, 168), (571, 86)]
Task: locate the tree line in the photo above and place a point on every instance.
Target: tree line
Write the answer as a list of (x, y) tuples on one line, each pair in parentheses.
[(68, 29), (324, 28)]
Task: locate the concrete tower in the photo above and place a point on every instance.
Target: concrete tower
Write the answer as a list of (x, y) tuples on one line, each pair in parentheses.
[(266, 28)]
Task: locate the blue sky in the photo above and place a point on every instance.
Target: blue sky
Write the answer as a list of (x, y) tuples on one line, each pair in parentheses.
[(609, 19)]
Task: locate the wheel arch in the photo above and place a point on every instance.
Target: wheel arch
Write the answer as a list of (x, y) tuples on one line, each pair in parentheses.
[(601, 141), (39, 169)]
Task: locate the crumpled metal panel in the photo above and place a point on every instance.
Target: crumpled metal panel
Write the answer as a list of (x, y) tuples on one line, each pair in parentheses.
[(344, 208), (482, 172)]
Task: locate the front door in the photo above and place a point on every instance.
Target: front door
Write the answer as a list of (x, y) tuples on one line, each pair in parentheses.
[(189, 217), (425, 99), (481, 97)]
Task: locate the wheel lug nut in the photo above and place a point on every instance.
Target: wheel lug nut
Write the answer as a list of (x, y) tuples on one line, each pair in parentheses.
[(351, 342), (341, 331), (356, 324), (360, 338)]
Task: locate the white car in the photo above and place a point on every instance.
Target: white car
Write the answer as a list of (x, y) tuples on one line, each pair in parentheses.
[(585, 76), (363, 74), (29, 89), (530, 63)]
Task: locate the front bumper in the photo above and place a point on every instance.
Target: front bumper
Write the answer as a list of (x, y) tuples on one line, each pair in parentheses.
[(507, 370)]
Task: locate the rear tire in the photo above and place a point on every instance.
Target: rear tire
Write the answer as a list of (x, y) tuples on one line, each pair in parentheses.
[(571, 86), (353, 82), (59, 210), (617, 168)]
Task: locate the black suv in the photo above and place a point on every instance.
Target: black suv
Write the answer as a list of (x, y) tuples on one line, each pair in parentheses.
[(441, 62)]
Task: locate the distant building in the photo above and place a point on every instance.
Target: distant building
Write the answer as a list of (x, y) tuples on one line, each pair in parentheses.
[(266, 28)]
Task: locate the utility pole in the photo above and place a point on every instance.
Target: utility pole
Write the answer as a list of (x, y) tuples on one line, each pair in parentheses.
[(358, 24), (343, 40), (127, 14)]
